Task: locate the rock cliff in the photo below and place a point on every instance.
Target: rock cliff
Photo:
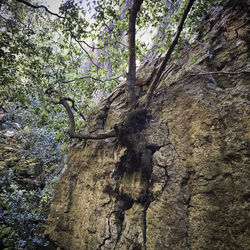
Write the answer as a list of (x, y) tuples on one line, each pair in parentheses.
[(195, 192)]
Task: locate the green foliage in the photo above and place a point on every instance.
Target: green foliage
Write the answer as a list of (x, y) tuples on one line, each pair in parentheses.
[(24, 203), (23, 216), (194, 59)]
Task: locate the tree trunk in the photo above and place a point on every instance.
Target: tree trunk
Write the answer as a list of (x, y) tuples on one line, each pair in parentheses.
[(131, 76)]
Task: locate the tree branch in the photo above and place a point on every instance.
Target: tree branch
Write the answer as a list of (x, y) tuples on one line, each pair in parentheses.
[(74, 108), (79, 43), (157, 77), (91, 47), (93, 78), (72, 128), (39, 7)]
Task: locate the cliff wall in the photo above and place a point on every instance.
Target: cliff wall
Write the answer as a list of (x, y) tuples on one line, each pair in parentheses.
[(196, 192)]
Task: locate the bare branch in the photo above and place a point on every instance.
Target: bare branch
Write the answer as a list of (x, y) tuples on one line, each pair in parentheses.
[(79, 43), (72, 128), (96, 136), (93, 78), (91, 47), (39, 7), (74, 107), (155, 82)]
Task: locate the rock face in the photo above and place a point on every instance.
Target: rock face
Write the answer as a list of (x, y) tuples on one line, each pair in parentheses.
[(196, 137)]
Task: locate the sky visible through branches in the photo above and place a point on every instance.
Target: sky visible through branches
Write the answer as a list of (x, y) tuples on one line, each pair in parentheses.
[(53, 5)]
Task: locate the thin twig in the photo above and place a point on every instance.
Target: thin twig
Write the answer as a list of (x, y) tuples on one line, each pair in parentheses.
[(91, 47), (93, 78), (79, 43), (172, 4)]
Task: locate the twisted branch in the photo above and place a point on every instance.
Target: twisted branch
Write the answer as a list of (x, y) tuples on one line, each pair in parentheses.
[(72, 128)]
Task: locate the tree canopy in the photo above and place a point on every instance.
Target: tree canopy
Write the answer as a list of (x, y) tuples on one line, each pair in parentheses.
[(76, 57)]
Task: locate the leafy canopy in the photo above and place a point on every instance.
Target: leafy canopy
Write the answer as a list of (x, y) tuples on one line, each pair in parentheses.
[(82, 52)]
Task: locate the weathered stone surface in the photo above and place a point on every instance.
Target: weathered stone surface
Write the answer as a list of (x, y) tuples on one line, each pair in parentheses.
[(198, 132), (143, 74), (93, 203)]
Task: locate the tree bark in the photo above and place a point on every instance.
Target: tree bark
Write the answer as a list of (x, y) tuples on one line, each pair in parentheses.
[(131, 76)]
